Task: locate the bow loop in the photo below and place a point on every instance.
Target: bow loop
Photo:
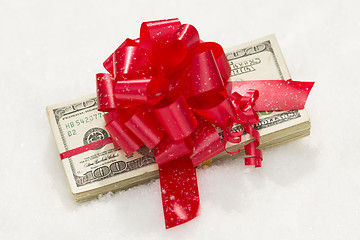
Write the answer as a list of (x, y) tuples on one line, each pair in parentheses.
[(220, 58), (181, 46), (105, 92), (177, 119), (109, 62), (132, 62), (144, 125), (154, 34), (148, 90), (220, 113), (202, 75), (123, 136)]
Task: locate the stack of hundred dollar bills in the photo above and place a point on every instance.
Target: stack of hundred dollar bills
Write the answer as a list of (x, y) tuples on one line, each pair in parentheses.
[(104, 169)]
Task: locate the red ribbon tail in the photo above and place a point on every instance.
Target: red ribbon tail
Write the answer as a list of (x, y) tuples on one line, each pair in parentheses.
[(275, 95), (179, 190)]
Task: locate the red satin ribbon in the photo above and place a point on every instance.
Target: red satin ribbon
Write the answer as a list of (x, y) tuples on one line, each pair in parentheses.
[(166, 90), (275, 95)]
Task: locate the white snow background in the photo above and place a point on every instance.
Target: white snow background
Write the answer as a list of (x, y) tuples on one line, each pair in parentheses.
[(50, 52)]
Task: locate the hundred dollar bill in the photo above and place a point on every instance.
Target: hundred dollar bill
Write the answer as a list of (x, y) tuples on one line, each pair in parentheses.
[(98, 171), (77, 123)]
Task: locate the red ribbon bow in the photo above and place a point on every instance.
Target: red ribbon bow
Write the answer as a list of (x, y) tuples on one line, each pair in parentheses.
[(166, 90)]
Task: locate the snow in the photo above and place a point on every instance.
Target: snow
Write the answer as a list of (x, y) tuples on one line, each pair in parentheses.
[(50, 52)]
